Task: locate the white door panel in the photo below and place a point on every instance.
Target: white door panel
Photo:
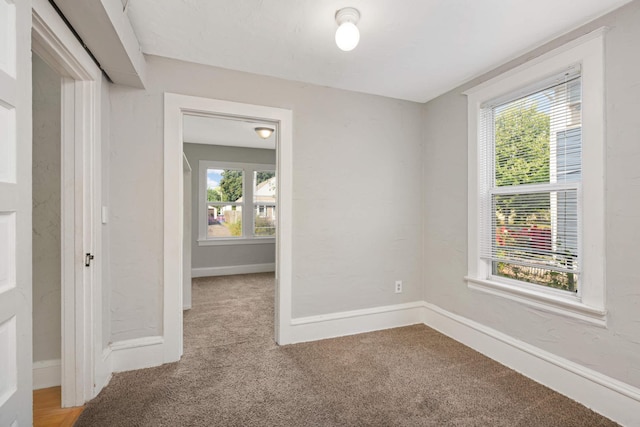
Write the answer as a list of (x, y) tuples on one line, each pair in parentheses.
[(15, 213)]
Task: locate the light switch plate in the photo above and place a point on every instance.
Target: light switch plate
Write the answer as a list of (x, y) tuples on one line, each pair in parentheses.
[(105, 214)]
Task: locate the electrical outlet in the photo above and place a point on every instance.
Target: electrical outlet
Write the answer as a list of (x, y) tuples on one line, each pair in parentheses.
[(398, 286)]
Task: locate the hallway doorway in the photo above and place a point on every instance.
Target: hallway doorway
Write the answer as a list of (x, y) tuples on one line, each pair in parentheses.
[(176, 108)]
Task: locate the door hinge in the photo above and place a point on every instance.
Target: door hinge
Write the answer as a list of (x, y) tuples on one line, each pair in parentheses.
[(87, 260)]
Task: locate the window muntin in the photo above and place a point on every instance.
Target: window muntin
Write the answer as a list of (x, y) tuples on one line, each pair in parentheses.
[(264, 203), (533, 168)]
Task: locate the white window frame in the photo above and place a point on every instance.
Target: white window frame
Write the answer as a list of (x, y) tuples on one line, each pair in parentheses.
[(589, 303), (247, 203)]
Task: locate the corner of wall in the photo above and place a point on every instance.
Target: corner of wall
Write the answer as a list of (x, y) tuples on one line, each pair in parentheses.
[(601, 393)]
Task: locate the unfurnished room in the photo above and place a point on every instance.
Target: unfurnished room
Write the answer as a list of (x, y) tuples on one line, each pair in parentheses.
[(319, 213)]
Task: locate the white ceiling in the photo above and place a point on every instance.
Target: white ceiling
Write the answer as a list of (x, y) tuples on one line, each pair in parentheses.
[(221, 131), (411, 49)]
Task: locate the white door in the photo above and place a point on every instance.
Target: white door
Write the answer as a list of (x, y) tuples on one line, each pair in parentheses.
[(15, 213)]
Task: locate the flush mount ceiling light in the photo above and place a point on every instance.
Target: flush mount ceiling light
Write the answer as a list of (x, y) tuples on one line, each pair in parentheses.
[(347, 34), (263, 132)]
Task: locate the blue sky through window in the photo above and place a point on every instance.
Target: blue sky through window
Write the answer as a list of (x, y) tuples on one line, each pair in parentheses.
[(214, 176)]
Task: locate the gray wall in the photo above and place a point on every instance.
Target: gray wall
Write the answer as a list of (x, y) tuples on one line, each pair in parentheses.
[(227, 255), (105, 248), (357, 180), (614, 351), (47, 305)]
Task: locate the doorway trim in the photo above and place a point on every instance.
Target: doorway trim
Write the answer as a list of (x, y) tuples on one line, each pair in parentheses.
[(175, 106), (80, 194)]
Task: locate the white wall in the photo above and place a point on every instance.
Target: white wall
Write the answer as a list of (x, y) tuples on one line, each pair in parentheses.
[(227, 255), (47, 306), (614, 351), (357, 164)]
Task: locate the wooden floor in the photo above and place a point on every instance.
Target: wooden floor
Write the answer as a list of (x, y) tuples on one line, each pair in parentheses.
[(47, 411)]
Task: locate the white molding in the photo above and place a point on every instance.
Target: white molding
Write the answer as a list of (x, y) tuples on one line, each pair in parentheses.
[(81, 181), (233, 269), (597, 33), (588, 51), (47, 373), (603, 394), (138, 353), (541, 300), (237, 241), (57, 46), (175, 106), (610, 397), (108, 34), (106, 360), (345, 323)]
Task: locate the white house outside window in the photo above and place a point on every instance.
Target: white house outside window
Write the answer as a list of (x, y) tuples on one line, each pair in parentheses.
[(264, 203), (237, 203), (536, 190)]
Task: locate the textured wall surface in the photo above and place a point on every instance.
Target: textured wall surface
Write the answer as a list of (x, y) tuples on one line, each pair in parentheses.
[(47, 305), (614, 351), (105, 248), (227, 255), (357, 172)]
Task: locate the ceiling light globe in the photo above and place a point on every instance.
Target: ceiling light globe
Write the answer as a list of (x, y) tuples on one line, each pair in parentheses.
[(347, 36), (264, 132)]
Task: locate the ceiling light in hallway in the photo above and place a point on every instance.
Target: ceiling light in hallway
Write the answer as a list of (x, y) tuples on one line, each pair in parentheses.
[(263, 132)]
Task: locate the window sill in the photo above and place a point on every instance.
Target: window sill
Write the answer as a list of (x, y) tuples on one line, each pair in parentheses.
[(239, 241), (569, 307)]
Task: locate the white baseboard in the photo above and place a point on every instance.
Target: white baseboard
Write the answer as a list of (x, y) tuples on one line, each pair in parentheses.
[(47, 373), (104, 369), (605, 395), (137, 353), (333, 325), (610, 397), (233, 269)]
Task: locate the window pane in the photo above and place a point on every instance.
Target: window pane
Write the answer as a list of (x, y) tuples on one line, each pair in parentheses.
[(224, 185), (224, 220), (264, 187), (535, 237), (538, 137), (568, 155), (522, 143), (264, 199), (538, 276), (264, 220)]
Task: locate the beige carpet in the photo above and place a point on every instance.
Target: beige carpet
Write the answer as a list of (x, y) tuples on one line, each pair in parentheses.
[(233, 374)]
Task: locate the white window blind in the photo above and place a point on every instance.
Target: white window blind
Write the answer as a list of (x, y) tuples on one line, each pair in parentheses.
[(531, 173)]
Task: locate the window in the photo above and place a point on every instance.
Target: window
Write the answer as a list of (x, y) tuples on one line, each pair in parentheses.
[(237, 203), (536, 191), (533, 166)]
